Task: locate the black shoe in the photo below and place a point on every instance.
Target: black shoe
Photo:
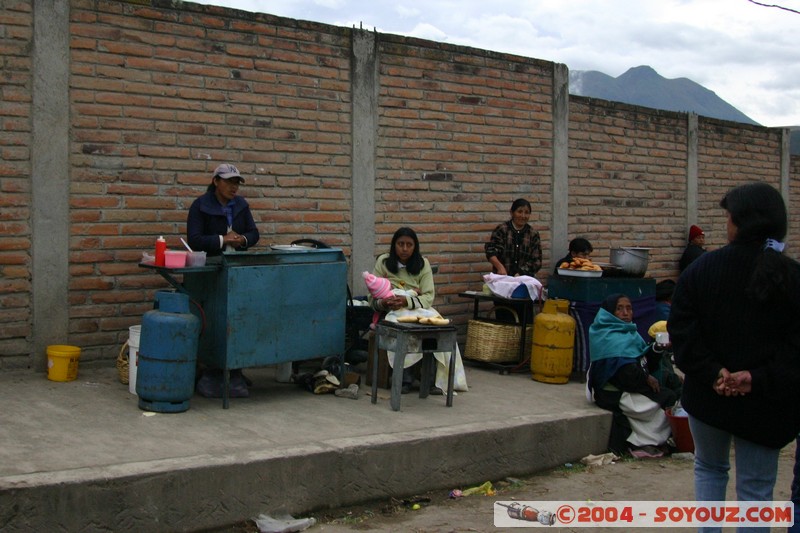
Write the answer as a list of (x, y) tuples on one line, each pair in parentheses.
[(237, 373), (435, 391), (210, 385), (238, 385), (405, 389)]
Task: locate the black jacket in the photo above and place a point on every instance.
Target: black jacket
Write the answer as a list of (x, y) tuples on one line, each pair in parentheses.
[(713, 325), (207, 221), (691, 253), (566, 259)]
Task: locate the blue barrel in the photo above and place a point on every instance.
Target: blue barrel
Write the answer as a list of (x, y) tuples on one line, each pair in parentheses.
[(167, 354)]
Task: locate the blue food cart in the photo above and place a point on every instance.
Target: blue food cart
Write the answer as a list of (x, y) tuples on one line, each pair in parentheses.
[(265, 308)]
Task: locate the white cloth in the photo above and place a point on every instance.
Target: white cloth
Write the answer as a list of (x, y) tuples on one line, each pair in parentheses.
[(599, 460), (649, 424), (506, 285), (414, 353)]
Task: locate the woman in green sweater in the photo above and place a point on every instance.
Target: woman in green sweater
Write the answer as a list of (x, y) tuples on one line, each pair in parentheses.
[(411, 277)]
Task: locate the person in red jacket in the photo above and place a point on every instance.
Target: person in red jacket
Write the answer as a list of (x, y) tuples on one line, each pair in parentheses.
[(694, 248)]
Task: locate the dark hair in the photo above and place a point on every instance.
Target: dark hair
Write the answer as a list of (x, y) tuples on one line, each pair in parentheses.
[(759, 213), (520, 202), (580, 245), (212, 186), (415, 262), (610, 303)]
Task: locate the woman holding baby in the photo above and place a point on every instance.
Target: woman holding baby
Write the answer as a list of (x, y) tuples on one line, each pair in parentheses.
[(411, 279), (407, 270)]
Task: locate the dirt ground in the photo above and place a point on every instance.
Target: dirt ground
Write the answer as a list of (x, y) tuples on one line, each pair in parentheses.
[(667, 479)]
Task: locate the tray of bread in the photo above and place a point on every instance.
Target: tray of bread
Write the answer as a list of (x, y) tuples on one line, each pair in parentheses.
[(581, 268), (427, 317)]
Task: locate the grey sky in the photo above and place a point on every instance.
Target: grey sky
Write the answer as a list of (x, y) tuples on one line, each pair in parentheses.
[(747, 54)]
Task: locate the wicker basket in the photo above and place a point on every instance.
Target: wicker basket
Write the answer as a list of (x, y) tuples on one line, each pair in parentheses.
[(122, 364), (496, 342)]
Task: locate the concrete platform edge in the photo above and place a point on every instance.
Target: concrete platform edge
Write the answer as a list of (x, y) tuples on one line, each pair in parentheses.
[(183, 494)]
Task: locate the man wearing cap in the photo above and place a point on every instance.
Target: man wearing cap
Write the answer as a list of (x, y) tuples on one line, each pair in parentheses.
[(694, 249), (221, 219)]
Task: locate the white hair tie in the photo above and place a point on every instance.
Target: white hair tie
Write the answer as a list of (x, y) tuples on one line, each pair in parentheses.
[(778, 246)]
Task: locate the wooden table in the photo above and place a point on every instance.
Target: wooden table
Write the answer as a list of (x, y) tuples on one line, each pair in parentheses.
[(395, 337)]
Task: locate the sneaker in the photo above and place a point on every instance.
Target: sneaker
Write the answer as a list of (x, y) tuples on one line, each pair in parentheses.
[(323, 386), (348, 392), (646, 452)]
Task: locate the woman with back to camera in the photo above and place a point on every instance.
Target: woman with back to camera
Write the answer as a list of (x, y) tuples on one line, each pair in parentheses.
[(735, 331)]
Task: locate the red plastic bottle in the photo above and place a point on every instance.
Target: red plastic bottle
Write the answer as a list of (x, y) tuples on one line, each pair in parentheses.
[(161, 247)]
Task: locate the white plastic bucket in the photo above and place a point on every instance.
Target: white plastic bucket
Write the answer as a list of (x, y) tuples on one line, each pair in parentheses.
[(133, 356), (283, 372)]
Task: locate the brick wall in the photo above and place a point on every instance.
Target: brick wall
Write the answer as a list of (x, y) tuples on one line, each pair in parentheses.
[(461, 135), (16, 29), (159, 98), (730, 154), (627, 181), (159, 95)]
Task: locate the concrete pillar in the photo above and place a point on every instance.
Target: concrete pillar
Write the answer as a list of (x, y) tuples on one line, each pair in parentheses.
[(786, 158), (560, 178), (365, 136), (691, 170), (50, 177)]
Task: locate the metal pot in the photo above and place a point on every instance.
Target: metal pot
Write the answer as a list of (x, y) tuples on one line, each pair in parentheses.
[(632, 261)]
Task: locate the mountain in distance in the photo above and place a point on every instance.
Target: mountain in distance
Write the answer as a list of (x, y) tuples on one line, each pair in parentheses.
[(644, 86)]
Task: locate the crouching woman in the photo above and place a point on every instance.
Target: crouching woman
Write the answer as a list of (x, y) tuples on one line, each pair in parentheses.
[(620, 381)]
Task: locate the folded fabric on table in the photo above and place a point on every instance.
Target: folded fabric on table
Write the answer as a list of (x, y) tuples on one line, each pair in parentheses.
[(506, 285)]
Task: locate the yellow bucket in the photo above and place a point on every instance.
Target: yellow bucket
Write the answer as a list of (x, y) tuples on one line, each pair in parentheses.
[(62, 362)]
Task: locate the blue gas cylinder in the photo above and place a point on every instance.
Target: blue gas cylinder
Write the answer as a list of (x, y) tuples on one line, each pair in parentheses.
[(167, 354)]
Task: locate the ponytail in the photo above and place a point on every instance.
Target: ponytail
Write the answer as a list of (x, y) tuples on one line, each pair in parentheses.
[(759, 214)]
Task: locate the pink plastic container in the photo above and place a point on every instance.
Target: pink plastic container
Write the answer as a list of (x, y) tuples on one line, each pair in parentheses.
[(174, 259)]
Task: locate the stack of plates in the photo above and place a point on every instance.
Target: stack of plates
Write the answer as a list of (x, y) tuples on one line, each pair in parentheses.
[(290, 247)]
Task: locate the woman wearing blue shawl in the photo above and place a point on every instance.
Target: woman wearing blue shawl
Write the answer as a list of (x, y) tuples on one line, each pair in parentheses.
[(620, 380)]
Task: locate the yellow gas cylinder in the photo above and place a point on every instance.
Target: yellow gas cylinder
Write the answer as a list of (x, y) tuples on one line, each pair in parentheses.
[(553, 339)]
